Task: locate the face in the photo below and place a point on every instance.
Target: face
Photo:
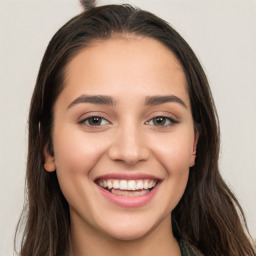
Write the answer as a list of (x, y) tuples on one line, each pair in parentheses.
[(123, 137)]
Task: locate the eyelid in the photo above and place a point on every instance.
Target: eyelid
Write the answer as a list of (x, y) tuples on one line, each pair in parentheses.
[(87, 119), (87, 116), (171, 119)]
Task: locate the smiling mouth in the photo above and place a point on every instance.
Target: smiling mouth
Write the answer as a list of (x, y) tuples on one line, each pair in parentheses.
[(128, 188)]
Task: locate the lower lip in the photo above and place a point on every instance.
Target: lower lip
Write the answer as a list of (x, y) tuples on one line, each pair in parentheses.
[(129, 202)]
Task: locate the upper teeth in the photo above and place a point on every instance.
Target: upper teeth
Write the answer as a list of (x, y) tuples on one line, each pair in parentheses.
[(127, 184)]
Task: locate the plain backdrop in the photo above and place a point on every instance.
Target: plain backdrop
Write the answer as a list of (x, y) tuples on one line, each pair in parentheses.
[(221, 32)]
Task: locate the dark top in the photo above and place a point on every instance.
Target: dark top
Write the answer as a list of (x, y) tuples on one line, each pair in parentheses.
[(188, 250)]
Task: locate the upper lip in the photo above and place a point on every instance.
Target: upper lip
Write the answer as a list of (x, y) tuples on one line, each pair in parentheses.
[(127, 176)]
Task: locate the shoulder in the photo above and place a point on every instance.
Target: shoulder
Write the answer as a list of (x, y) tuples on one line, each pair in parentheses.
[(188, 249)]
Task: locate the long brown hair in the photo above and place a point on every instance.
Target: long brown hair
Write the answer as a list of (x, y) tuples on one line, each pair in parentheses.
[(208, 215)]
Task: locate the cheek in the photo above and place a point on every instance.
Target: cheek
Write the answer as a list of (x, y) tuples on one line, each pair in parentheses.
[(75, 156), (175, 151), (174, 154), (75, 151)]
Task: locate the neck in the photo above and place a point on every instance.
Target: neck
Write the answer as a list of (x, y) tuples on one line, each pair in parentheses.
[(160, 241)]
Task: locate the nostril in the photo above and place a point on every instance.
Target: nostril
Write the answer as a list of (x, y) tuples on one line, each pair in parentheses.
[(129, 144), (128, 155)]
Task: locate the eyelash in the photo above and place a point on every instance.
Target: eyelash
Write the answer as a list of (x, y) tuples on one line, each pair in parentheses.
[(171, 121), (90, 118)]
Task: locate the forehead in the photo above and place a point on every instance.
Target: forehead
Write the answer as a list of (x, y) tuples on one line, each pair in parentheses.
[(121, 65)]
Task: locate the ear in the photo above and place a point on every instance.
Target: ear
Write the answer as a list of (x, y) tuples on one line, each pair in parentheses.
[(193, 156), (49, 162)]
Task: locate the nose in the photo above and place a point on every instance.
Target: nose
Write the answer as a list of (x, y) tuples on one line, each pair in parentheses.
[(129, 146)]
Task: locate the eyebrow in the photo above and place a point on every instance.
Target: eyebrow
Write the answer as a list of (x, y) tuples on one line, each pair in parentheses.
[(96, 99), (157, 100), (107, 100)]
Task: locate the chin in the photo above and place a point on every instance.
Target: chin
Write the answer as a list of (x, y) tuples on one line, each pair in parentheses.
[(130, 228), (129, 234)]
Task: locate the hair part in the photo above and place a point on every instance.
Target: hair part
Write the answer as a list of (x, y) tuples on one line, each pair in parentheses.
[(207, 216)]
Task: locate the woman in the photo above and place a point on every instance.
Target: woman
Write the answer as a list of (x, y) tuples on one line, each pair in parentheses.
[(124, 145)]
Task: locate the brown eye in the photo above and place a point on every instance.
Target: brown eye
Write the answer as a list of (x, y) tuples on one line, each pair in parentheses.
[(162, 121), (94, 121)]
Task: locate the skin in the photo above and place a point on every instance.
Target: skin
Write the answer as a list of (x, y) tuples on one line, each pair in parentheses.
[(129, 70)]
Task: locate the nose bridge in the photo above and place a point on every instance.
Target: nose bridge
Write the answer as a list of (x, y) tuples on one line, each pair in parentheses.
[(129, 144), (131, 137)]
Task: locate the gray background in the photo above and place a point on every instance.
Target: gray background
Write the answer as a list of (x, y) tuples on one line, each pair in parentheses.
[(222, 34)]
